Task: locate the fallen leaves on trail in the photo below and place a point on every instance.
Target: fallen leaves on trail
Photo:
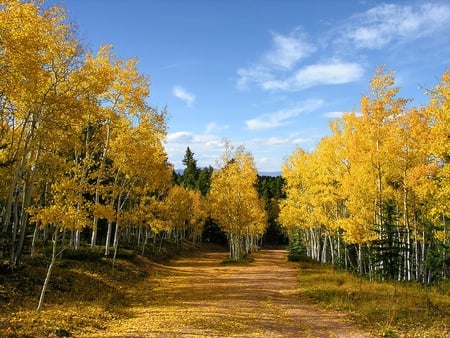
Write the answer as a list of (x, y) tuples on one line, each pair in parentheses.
[(199, 296), (192, 297)]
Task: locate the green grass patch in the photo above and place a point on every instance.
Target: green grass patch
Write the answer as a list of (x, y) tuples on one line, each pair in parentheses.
[(298, 257), (388, 309)]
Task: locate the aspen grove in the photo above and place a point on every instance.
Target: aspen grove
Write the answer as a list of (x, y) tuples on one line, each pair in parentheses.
[(374, 196), (80, 146)]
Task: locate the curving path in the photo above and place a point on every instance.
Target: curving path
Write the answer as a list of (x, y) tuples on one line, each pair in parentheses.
[(200, 297)]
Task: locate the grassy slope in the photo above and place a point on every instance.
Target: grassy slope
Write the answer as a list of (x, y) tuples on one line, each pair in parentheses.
[(84, 292), (81, 293), (388, 309)]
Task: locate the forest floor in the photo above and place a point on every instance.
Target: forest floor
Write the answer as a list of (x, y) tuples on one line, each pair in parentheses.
[(200, 296)]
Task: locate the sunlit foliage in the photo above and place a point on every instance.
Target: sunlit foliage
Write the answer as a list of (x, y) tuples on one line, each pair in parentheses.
[(234, 202), (373, 196)]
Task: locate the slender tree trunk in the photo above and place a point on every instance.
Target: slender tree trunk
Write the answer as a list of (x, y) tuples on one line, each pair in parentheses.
[(33, 241), (323, 258), (14, 226), (345, 256), (360, 260), (160, 242), (444, 252), (12, 205), (94, 233), (108, 238), (408, 231), (330, 239), (76, 242), (422, 263), (116, 242), (49, 270), (370, 263), (416, 250), (144, 243), (339, 247)]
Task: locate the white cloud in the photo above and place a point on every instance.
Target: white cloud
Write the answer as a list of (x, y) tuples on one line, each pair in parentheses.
[(386, 23), (301, 140), (253, 74), (277, 72), (283, 67), (282, 117), (288, 50), (268, 121), (213, 127), (183, 95), (276, 141), (332, 73), (180, 136), (206, 147), (333, 114)]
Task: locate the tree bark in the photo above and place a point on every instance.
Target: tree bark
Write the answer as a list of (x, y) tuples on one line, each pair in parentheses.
[(49, 270)]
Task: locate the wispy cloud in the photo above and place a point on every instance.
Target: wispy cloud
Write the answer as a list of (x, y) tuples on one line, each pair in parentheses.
[(183, 95), (213, 127), (180, 136), (286, 52), (386, 23), (207, 147), (333, 114), (289, 49), (279, 69), (300, 140), (276, 141), (284, 68), (255, 74), (282, 117), (332, 73)]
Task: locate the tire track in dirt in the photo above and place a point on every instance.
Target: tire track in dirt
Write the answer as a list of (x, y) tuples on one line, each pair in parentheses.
[(201, 297)]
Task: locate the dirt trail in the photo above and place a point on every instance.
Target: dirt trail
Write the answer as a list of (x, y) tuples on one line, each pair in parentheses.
[(200, 297)]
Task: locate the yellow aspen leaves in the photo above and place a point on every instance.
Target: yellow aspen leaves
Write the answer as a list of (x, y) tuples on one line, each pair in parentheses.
[(78, 140), (379, 182), (233, 201)]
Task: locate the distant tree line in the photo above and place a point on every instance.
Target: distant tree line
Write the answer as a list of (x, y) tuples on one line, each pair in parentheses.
[(269, 189)]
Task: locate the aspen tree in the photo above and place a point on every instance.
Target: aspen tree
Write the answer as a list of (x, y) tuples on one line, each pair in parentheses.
[(410, 156), (198, 214), (234, 203), (66, 211), (39, 55), (438, 111)]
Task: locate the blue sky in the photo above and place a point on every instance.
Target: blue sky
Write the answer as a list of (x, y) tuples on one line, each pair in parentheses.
[(266, 74)]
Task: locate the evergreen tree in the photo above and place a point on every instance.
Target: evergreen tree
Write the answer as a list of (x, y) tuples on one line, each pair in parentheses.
[(190, 174), (204, 179), (270, 190)]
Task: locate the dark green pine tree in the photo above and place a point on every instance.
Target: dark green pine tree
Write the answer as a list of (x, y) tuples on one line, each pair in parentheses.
[(190, 173), (270, 189), (204, 179)]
